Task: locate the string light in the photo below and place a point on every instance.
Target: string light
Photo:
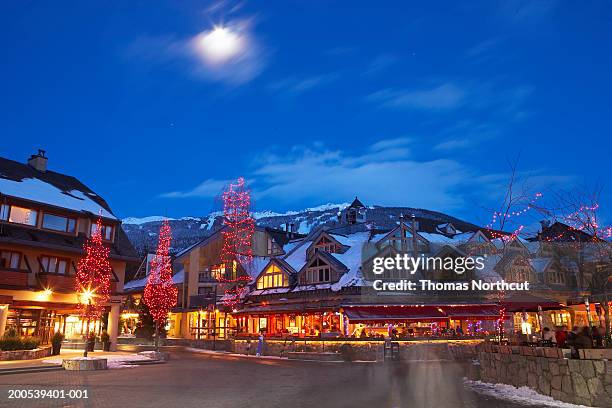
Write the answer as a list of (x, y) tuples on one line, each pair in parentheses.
[(160, 294), (93, 276), (237, 238)]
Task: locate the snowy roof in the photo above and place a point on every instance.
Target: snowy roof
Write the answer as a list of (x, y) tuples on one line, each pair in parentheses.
[(488, 273), (437, 238), (270, 291), (55, 189), (540, 264), (352, 260), (297, 257), (256, 265), (38, 191)]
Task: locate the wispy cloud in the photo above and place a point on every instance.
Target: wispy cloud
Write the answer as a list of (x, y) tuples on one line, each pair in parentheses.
[(383, 173), (441, 97), (209, 188), (230, 54), (295, 85), (380, 63)]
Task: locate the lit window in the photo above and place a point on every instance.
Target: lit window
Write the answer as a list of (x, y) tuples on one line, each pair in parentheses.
[(58, 223), (223, 271), (53, 264), (9, 259), (21, 215), (273, 277)]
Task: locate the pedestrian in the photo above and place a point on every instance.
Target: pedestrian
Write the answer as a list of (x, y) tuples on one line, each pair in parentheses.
[(561, 336), (260, 344), (584, 339), (548, 337), (598, 339)]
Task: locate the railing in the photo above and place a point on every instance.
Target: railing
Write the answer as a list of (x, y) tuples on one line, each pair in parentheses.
[(57, 283), (14, 277)]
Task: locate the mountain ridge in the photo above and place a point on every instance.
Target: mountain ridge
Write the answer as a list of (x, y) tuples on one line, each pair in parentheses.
[(188, 230)]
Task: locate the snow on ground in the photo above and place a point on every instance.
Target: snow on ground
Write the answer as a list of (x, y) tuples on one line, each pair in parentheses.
[(112, 361), (225, 353), (522, 395)]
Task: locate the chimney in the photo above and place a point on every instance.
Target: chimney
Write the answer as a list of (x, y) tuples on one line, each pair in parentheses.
[(39, 161)]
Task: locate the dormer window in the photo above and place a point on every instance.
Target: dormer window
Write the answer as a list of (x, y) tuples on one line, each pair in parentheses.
[(327, 245), (58, 223), (107, 231), (18, 215), (273, 277), (317, 272)]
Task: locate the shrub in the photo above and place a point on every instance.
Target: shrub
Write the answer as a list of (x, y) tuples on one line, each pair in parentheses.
[(57, 338), (18, 343)]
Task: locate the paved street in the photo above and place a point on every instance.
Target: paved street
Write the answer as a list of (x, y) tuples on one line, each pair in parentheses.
[(203, 380)]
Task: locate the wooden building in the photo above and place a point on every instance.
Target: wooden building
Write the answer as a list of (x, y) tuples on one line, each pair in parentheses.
[(45, 218)]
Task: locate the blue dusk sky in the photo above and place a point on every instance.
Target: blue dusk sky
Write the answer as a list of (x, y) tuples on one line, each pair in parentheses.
[(402, 103)]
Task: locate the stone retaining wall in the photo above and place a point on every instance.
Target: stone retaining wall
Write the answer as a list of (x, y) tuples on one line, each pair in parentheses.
[(25, 354), (221, 345), (586, 382)]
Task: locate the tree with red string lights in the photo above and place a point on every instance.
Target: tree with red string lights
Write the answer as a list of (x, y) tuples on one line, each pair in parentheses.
[(93, 277), (237, 238), (160, 294)]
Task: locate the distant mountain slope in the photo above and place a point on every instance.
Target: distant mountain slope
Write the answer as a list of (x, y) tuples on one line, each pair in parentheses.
[(188, 230)]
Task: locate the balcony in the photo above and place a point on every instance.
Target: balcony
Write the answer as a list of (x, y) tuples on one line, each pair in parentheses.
[(57, 283), (201, 301), (14, 278)]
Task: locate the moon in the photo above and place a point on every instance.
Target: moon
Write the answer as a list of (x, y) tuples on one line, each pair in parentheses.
[(220, 45)]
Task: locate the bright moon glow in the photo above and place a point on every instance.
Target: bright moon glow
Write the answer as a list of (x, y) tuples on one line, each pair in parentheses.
[(219, 45)]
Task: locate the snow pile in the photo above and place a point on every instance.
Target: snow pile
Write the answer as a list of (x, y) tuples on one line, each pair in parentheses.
[(112, 361), (522, 395), (41, 192)]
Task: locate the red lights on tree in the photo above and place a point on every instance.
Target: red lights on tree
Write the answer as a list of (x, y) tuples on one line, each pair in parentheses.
[(93, 277), (237, 238), (160, 294)]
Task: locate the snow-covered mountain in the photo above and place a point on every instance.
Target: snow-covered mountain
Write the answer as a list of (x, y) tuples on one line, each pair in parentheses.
[(188, 230)]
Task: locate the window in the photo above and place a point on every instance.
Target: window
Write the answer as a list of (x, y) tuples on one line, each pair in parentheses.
[(326, 245), (53, 264), (204, 276), (273, 277), (223, 271), (9, 259), (107, 231), (318, 272), (273, 247), (4, 212), (560, 318), (21, 215), (58, 223), (556, 277)]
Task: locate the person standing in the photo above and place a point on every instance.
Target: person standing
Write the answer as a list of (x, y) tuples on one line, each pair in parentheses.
[(561, 336)]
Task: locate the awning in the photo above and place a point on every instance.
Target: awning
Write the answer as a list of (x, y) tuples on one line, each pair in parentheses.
[(371, 313), (524, 302), (422, 313), (472, 312)]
